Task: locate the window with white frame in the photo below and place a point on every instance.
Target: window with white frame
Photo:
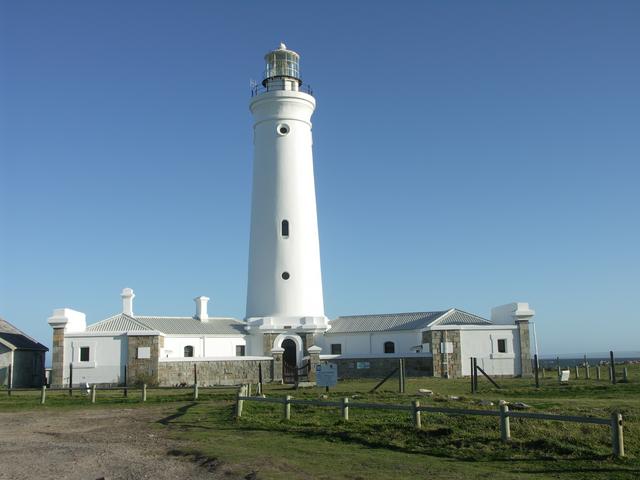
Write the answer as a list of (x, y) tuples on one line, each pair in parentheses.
[(84, 354)]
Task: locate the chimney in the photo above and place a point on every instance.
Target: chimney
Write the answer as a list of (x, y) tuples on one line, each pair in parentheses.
[(127, 301), (201, 308)]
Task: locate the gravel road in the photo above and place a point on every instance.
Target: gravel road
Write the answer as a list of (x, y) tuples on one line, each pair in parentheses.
[(94, 444)]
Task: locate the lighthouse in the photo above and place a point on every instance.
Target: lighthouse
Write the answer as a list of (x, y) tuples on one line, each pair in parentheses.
[(285, 308)]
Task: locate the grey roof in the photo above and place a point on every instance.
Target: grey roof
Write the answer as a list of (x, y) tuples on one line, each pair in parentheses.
[(18, 339), (383, 322), (458, 317), (387, 322), (170, 325)]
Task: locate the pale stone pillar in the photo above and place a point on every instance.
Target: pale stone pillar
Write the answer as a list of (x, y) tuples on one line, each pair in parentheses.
[(314, 361), (277, 353), (57, 357)]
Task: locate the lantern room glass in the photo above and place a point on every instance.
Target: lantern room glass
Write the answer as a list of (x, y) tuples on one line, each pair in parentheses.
[(282, 63)]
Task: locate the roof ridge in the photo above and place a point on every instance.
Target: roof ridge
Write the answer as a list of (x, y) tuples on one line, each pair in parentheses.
[(396, 313)]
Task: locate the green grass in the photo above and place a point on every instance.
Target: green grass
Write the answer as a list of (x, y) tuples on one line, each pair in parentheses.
[(317, 444)]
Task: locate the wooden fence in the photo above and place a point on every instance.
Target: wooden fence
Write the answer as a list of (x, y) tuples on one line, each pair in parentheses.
[(415, 409), (92, 391)]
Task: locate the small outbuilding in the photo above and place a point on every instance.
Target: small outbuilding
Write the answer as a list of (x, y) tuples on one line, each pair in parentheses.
[(21, 358)]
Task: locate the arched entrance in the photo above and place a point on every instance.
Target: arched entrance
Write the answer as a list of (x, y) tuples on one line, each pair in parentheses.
[(289, 360)]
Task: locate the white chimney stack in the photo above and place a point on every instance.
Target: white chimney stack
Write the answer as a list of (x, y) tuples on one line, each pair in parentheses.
[(201, 308), (127, 301)]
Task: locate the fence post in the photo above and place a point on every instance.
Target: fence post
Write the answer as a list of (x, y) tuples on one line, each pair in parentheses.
[(597, 372), (505, 429), (93, 393), (417, 419), (9, 379), (71, 379), (617, 436), (473, 390), (287, 408), (43, 394), (586, 371), (535, 359), (401, 374), (577, 372), (125, 382), (613, 367), (345, 408), (239, 402), (543, 373), (625, 375), (144, 392), (195, 391)]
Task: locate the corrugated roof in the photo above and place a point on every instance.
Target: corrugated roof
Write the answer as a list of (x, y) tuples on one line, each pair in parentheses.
[(458, 317), (118, 323), (18, 339), (383, 322), (188, 325), (170, 325), (403, 321)]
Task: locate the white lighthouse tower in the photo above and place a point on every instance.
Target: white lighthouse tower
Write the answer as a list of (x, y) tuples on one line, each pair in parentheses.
[(284, 293)]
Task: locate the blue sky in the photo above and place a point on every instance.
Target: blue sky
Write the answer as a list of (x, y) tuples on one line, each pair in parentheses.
[(467, 154)]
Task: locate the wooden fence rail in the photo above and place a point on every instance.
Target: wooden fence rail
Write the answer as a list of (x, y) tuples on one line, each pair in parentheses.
[(615, 422)]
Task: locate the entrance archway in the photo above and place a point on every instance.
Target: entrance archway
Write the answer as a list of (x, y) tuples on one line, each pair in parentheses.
[(289, 360)]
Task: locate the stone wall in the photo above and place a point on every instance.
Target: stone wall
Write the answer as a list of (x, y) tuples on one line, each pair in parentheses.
[(214, 372), (381, 367), (57, 358), (446, 365), (143, 370), (525, 349)]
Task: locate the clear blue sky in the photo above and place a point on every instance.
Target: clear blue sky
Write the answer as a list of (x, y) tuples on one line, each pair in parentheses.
[(467, 154)]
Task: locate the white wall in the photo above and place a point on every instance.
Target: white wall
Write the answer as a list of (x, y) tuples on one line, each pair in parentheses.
[(483, 344), (107, 358), (371, 342), (283, 189), (203, 346)]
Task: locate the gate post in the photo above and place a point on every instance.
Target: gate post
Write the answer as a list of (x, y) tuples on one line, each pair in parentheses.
[(277, 353), (314, 360)]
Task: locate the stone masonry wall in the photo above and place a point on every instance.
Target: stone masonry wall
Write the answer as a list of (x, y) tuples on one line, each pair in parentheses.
[(220, 372), (57, 357), (143, 370), (381, 367), (444, 364), (525, 348)]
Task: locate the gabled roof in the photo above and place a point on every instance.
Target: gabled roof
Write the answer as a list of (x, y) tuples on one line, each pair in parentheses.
[(388, 322), (459, 317), (170, 325), (17, 340)]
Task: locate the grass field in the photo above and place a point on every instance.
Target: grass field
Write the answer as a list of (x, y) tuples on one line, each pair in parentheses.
[(316, 443)]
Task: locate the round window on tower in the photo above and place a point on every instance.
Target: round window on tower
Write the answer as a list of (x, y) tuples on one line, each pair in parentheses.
[(285, 275), (282, 129)]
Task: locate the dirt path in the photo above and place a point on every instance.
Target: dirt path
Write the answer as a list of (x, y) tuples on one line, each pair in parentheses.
[(94, 444)]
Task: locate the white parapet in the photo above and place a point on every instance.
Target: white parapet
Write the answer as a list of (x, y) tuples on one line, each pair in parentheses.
[(71, 320), (511, 312)]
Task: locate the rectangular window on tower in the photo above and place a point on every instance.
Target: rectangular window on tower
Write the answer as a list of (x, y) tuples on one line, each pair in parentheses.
[(285, 228)]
